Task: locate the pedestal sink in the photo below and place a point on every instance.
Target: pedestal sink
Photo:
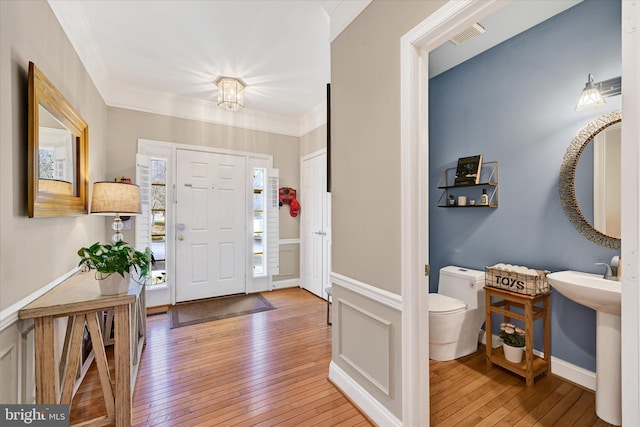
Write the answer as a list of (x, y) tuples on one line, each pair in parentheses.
[(603, 296)]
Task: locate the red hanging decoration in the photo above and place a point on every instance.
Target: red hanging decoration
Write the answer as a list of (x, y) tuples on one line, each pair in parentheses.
[(287, 196)]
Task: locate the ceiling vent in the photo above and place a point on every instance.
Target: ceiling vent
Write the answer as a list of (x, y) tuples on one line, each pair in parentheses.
[(471, 32)]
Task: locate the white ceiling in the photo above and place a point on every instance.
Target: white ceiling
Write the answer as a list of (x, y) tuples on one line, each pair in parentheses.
[(163, 56)]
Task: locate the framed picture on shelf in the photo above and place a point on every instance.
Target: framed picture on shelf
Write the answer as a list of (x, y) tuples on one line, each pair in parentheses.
[(468, 170)]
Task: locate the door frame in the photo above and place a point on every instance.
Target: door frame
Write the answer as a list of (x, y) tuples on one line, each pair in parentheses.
[(415, 46), (157, 148), (449, 20)]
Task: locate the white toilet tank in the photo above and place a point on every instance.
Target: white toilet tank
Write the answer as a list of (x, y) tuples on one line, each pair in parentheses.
[(462, 284)]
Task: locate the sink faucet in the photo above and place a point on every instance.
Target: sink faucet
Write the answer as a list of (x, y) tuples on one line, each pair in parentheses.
[(611, 272)]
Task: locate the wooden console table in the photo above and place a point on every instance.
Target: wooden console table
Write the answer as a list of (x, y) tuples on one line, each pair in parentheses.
[(533, 365), (79, 299)]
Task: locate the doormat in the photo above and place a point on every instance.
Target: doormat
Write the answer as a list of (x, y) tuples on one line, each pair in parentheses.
[(194, 312)]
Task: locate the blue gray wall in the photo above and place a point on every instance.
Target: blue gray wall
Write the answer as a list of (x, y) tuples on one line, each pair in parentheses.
[(515, 104)]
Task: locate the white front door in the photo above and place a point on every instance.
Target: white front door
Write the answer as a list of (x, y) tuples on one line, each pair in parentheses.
[(210, 225), (313, 228)]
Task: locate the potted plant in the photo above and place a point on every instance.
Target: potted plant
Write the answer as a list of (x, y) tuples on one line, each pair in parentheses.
[(114, 264), (513, 341)]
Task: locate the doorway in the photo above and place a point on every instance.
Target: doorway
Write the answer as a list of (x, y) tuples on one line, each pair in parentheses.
[(164, 292), (438, 28), (415, 45)]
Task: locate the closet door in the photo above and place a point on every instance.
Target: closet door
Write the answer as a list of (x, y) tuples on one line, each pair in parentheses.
[(314, 231), (210, 225)]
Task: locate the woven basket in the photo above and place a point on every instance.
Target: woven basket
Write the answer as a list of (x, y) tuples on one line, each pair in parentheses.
[(527, 284)]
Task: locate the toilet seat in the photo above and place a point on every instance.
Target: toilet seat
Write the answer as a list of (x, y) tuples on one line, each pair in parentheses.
[(442, 304)]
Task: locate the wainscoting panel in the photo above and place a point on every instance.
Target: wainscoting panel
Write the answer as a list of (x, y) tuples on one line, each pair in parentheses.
[(27, 361), (367, 348), (289, 262), (355, 347), (8, 373), (288, 258)]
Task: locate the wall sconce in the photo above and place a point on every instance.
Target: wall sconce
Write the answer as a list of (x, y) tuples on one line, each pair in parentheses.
[(115, 198), (593, 94), (230, 93)]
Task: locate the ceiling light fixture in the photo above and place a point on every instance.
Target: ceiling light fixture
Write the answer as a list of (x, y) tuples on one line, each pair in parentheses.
[(230, 93), (593, 94)]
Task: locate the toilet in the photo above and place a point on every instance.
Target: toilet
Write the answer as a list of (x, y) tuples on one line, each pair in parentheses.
[(456, 313)]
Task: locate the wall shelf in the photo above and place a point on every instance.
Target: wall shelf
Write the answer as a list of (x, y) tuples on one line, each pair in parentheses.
[(490, 178)]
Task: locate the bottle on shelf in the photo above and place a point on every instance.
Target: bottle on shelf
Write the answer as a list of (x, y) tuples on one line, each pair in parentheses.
[(484, 199)]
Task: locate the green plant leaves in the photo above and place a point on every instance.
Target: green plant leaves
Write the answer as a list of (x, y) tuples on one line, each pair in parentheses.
[(117, 257)]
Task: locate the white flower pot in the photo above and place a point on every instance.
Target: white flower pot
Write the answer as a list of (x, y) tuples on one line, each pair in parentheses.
[(113, 284), (513, 354)]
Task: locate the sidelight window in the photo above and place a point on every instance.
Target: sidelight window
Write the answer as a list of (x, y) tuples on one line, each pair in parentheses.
[(158, 220)]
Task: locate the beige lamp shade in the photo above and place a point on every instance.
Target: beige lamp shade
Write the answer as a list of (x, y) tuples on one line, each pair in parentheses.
[(112, 198)]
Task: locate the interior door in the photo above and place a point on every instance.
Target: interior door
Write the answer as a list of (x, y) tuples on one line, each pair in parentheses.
[(211, 225), (313, 228)]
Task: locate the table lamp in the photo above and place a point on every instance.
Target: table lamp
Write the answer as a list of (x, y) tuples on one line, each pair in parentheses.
[(115, 198)]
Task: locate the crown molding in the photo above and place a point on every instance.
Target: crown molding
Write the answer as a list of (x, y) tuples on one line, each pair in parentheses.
[(196, 109), (167, 104), (314, 119), (342, 13)]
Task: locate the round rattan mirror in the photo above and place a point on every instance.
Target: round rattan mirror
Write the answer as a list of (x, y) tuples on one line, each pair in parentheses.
[(568, 175)]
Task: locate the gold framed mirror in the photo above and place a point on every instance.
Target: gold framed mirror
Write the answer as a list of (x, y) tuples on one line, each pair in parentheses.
[(568, 180), (58, 156)]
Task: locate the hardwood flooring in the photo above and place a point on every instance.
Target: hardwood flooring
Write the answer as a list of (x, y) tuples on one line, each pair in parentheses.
[(271, 369), (469, 392)]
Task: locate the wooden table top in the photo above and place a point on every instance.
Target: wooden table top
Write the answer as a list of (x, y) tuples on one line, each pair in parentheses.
[(79, 293)]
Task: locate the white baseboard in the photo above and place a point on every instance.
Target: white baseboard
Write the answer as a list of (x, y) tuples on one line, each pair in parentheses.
[(367, 403), (559, 367), (495, 340), (571, 372)]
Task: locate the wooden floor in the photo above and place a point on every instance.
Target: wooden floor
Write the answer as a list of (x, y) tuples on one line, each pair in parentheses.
[(263, 369), (271, 369), (469, 392)]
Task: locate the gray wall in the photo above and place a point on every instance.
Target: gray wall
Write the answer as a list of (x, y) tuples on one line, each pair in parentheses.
[(365, 153), (36, 251), (515, 104), (313, 141)]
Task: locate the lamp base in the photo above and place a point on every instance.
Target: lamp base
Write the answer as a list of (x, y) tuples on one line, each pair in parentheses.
[(117, 226)]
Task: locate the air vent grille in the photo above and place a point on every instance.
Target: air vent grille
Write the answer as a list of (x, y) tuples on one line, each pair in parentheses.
[(471, 32)]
